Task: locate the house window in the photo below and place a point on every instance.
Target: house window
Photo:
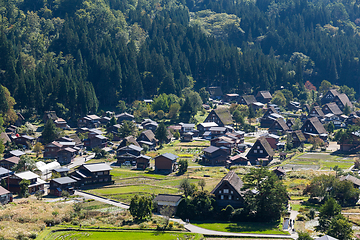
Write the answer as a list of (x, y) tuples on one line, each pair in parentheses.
[(222, 197), (232, 192), (261, 151), (255, 151), (219, 191), (226, 190), (258, 147), (229, 197)]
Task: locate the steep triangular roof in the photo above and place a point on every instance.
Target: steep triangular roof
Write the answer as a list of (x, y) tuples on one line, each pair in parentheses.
[(249, 99), (299, 135), (343, 98), (264, 94), (279, 123), (317, 111), (232, 180), (332, 108), (224, 115), (314, 121), (265, 144)]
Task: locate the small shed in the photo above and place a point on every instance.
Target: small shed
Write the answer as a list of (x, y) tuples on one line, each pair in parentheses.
[(164, 200)]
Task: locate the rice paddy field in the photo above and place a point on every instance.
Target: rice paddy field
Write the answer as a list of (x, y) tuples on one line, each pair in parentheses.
[(318, 161)]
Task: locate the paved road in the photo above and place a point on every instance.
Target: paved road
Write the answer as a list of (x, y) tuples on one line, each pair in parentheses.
[(189, 227), (100, 199), (80, 160)]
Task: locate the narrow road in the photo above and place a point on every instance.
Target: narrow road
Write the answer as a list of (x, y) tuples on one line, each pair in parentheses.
[(188, 226), (101, 199), (80, 160)]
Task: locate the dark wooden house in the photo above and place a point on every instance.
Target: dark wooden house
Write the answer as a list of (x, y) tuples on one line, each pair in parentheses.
[(93, 173), (10, 162), (332, 108), (215, 156), (166, 163), (247, 100), (221, 116), (5, 196), (128, 153), (228, 191), (298, 139), (342, 100), (124, 117), (278, 125), (36, 184), (313, 127), (143, 162), (316, 112), (260, 151), (263, 96), (58, 185), (329, 96)]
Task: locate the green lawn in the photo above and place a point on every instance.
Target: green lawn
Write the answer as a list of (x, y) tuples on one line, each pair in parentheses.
[(243, 227), (123, 235)]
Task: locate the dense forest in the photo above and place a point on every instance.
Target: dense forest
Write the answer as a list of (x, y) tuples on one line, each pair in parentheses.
[(82, 54)]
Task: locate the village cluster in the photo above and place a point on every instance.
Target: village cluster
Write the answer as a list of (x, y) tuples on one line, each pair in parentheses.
[(227, 146)]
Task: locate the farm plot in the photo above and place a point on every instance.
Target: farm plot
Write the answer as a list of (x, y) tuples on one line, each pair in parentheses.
[(318, 161)]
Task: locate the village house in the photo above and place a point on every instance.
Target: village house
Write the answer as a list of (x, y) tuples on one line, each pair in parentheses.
[(280, 172), (4, 172), (187, 137), (332, 108), (272, 139), (342, 100), (217, 131), (5, 196), (61, 123), (263, 97), (269, 117), (36, 184), (58, 185), (247, 100), (278, 126), (231, 97), (166, 163), (124, 117), (290, 122), (49, 115), (66, 155), (316, 112), (147, 138), (10, 162), (355, 181), (237, 160), (298, 139), (167, 200), (127, 141), (313, 127), (93, 173), (24, 140), (51, 149), (215, 92), (104, 120), (187, 127), (62, 171), (205, 126), (143, 162), (215, 156), (221, 116), (128, 154), (293, 106), (149, 124), (89, 121), (228, 191), (329, 96), (95, 139), (15, 153), (4, 138), (225, 141), (261, 151), (257, 106)]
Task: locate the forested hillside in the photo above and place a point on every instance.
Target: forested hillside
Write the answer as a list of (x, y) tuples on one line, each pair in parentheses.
[(82, 54)]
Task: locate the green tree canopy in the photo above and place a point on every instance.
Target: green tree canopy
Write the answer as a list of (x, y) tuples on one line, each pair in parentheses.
[(50, 132)]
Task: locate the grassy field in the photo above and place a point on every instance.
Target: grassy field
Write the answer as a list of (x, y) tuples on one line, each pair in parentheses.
[(129, 182), (318, 161), (243, 227), (123, 235)]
